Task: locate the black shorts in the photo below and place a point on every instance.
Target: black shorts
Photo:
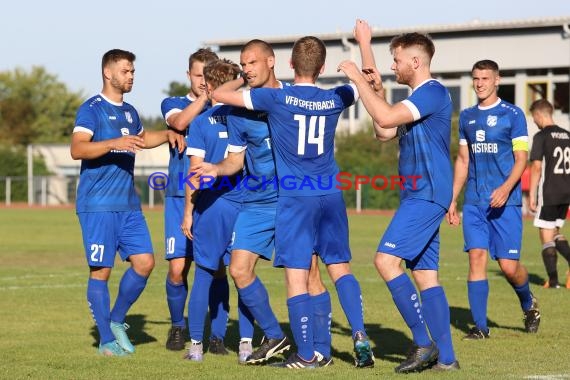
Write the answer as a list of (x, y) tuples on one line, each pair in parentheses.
[(551, 217)]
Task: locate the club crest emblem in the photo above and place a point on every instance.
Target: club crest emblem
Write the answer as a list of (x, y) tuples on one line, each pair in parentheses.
[(129, 117), (491, 120), (125, 131)]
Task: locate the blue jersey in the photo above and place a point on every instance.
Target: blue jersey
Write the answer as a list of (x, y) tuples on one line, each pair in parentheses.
[(489, 133), (303, 120), (248, 131), (209, 140), (106, 183), (425, 162), (178, 162)]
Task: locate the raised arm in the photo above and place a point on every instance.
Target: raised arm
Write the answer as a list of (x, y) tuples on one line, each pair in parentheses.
[(228, 93), (181, 120)]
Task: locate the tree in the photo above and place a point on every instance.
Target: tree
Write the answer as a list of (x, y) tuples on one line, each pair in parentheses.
[(35, 107)]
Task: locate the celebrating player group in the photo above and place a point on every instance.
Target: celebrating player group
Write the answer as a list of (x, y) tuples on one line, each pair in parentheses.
[(238, 131)]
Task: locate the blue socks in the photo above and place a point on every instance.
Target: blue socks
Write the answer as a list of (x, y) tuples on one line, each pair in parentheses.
[(176, 295), (219, 303), (255, 298), (322, 318), (301, 321), (198, 302), (478, 293), (525, 297), (408, 304), (130, 288), (350, 298), (436, 314), (245, 319), (99, 304)]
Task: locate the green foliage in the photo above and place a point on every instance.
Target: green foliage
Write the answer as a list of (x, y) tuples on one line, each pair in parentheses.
[(153, 123), (361, 154), (35, 107), (177, 89)]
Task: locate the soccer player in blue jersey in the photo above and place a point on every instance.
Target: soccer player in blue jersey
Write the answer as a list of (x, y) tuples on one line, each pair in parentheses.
[(493, 151), (178, 112), (249, 143), (422, 122), (311, 215), (107, 135), (549, 193), (210, 211)]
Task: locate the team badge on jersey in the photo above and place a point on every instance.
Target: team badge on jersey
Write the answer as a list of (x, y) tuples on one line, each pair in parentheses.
[(491, 120), (129, 117), (125, 131)]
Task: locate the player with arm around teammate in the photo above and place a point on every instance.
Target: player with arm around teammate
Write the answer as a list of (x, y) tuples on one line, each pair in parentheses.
[(302, 120), (178, 112)]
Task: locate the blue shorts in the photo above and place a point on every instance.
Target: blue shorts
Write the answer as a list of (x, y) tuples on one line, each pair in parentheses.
[(498, 230), (175, 243), (311, 224), (105, 233), (254, 230), (413, 234), (212, 226)]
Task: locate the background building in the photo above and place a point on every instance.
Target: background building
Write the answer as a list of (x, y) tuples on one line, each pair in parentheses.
[(533, 55)]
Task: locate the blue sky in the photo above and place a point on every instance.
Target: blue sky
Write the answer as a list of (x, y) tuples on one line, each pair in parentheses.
[(69, 37)]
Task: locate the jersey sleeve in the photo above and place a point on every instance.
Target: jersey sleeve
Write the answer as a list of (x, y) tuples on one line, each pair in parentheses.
[(348, 94), (519, 132), (168, 107), (262, 99), (195, 142), (426, 100), (462, 135), (237, 136), (537, 150), (86, 120)]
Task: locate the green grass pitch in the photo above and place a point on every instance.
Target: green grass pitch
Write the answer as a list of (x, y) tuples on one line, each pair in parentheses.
[(46, 330)]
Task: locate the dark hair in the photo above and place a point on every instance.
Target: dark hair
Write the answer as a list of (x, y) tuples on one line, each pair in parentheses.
[(204, 55), (308, 56), (115, 55), (220, 71), (267, 49), (407, 40), (486, 64), (542, 106)]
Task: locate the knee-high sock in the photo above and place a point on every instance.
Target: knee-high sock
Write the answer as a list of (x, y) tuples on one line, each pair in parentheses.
[(198, 302), (245, 319), (219, 302), (407, 301), (524, 294), (301, 321), (350, 298), (176, 295), (436, 314), (100, 306), (562, 247), (478, 294), (130, 288), (256, 299), (322, 318), (549, 258)]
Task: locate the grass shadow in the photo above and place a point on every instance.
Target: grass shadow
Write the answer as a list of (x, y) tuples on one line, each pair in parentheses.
[(136, 331)]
